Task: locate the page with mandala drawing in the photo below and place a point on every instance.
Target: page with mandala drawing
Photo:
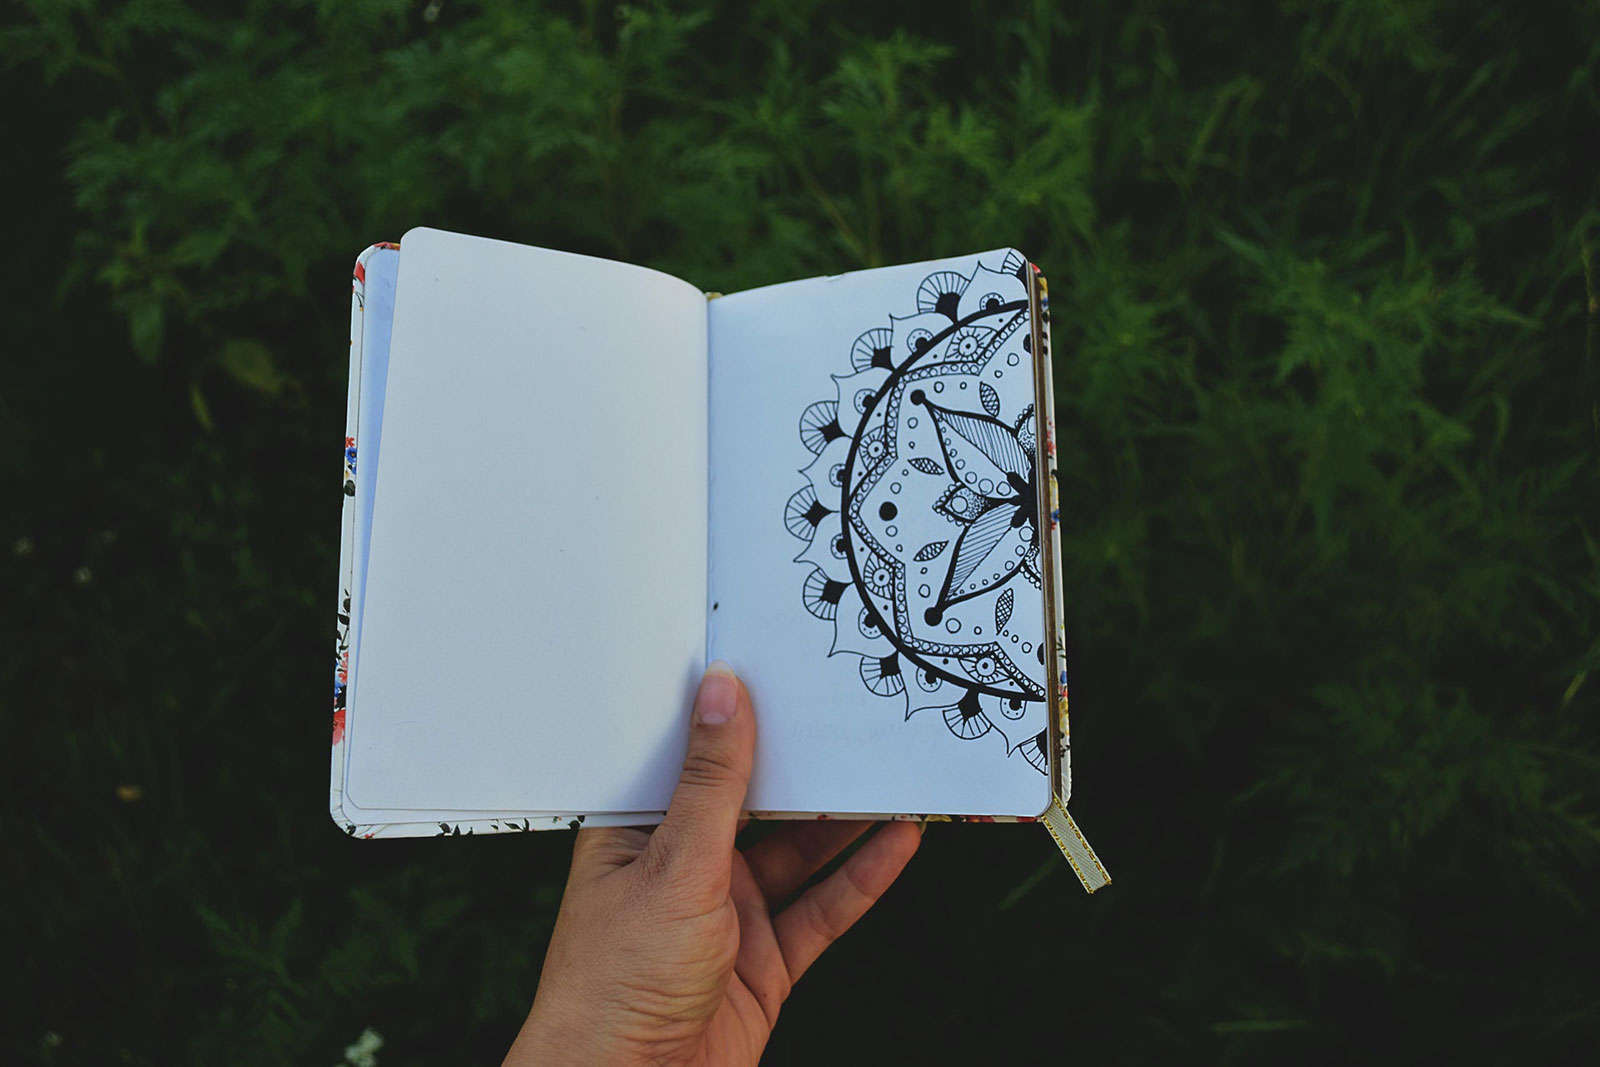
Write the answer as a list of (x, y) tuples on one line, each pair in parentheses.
[(874, 565)]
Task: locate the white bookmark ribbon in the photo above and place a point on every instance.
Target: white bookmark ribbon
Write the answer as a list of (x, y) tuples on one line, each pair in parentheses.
[(1085, 864)]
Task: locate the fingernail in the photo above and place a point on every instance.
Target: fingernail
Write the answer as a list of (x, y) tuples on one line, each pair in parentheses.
[(719, 695), (922, 826)]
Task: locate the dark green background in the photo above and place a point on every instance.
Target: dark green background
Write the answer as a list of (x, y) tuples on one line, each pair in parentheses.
[(1326, 322)]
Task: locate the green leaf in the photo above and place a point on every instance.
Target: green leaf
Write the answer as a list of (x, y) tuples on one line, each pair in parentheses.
[(202, 411), (1258, 1026), (251, 364), (147, 327), (199, 248)]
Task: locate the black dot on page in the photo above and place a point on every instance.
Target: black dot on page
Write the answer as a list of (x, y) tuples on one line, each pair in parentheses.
[(887, 511)]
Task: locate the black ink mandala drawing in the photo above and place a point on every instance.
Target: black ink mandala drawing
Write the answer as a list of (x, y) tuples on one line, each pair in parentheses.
[(920, 512)]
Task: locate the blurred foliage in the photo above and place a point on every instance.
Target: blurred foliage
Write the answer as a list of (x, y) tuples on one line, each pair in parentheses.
[(1326, 312)]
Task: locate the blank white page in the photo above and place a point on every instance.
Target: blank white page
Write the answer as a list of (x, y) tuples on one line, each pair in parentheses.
[(902, 711), (534, 613)]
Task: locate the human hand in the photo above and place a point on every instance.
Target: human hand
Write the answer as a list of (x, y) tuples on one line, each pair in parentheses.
[(671, 946)]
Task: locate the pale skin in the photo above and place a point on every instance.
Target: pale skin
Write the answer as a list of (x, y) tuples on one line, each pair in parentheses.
[(674, 947)]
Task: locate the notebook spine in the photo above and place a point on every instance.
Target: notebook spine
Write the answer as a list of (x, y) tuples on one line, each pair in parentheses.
[(1060, 825), (1056, 613), (347, 524)]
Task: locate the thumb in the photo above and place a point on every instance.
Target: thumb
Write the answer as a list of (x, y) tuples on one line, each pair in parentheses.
[(697, 834)]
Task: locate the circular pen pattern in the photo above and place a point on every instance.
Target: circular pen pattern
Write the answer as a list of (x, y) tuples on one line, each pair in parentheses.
[(920, 508)]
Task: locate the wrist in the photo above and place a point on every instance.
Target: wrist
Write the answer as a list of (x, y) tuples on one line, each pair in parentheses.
[(554, 1035)]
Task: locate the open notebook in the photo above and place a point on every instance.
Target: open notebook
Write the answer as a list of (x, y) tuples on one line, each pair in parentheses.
[(571, 483)]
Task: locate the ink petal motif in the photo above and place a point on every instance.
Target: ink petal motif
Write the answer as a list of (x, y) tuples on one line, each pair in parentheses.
[(919, 508)]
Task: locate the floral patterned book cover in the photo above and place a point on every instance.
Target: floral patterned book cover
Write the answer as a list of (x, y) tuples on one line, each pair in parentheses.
[(883, 574)]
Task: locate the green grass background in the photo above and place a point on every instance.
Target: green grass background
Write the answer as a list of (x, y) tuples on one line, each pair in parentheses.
[(1325, 312)]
